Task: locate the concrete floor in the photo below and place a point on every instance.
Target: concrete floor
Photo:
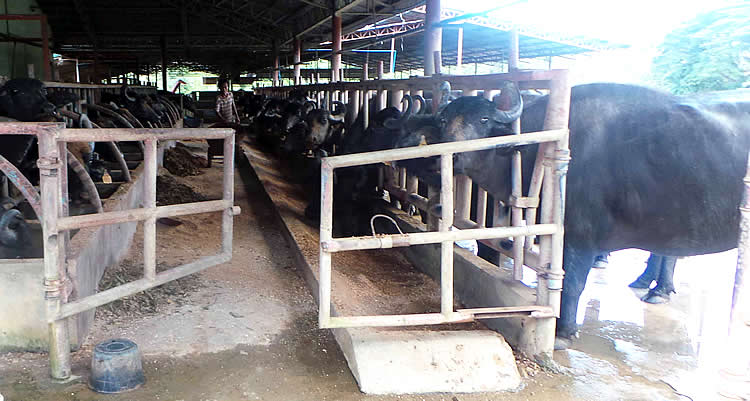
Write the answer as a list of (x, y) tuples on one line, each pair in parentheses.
[(249, 332)]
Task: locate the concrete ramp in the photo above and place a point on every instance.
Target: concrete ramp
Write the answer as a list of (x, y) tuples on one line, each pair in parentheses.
[(424, 359)]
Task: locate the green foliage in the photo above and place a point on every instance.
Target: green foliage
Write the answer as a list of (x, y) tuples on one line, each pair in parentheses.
[(710, 52)]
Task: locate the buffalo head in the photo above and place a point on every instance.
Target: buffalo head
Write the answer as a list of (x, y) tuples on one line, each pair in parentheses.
[(25, 99), (322, 123), (472, 117)]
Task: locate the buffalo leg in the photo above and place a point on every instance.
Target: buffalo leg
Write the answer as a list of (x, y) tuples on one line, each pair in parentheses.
[(577, 264), (664, 283), (652, 272)]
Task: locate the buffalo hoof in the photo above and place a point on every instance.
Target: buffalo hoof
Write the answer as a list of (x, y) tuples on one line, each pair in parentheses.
[(640, 284), (656, 297), (562, 343)]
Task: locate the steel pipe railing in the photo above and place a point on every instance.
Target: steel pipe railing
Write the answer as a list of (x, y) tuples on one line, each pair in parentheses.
[(56, 223)]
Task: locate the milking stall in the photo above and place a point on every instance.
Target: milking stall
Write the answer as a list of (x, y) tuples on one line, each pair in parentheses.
[(369, 199)]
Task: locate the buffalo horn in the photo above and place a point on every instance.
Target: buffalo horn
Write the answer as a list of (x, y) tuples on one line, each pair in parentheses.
[(338, 111), (508, 116), (309, 106), (409, 108), (124, 92), (422, 104)]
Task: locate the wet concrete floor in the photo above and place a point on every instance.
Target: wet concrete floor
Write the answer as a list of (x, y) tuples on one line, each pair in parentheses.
[(627, 350)]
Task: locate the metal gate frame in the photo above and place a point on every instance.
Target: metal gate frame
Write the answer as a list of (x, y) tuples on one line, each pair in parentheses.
[(551, 229), (53, 138)]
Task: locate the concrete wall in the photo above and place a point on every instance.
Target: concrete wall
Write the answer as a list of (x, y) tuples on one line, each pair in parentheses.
[(15, 56)]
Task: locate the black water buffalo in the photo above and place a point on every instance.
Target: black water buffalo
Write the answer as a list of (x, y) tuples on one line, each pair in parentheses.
[(649, 170), (325, 127), (25, 99)]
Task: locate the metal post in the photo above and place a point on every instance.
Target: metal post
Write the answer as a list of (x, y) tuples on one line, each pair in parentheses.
[(516, 180), (46, 68), (326, 234), (555, 163), (336, 42), (481, 207), (297, 60), (446, 247), (396, 96), (227, 224), (463, 197), (460, 50), (275, 77), (149, 225), (433, 37), (353, 105), (382, 95), (164, 63), (54, 258)]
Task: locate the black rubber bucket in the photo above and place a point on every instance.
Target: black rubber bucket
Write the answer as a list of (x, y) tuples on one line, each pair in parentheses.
[(116, 367)]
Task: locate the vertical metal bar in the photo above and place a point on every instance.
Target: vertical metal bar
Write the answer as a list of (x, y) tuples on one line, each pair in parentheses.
[(481, 207), (336, 48), (62, 184), (553, 187), (227, 223), (433, 36), (446, 247), (516, 215), (396, 96), (353, 105), (366, 110), (149, 195), (460, 50), (163, 62), (297, 60), (54, 259), (46, 56), (463, 197), (275, 78), (412, 183), (326, 234)]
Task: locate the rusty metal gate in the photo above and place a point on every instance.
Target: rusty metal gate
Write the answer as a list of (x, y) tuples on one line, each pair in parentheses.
[(56, 223), (546, 191)]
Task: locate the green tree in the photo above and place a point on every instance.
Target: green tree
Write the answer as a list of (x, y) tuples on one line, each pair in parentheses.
[(710, 52)]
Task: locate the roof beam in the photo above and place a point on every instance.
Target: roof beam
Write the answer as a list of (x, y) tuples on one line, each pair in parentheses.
[(219, 18)]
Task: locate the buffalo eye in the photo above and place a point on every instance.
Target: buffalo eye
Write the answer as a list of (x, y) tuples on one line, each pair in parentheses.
[(484, 120), (13, 91)]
